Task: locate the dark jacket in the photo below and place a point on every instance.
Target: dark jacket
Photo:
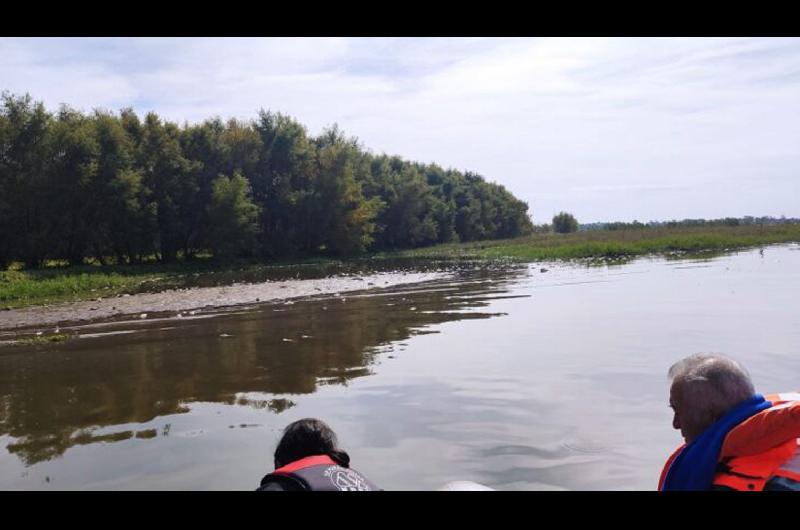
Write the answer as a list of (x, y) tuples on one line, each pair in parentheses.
[(316, 473)]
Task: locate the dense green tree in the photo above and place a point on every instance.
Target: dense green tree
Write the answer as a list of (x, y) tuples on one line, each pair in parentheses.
[(564, 223), (72, 172), (443, 208), (284, 185), (103, 186), (408, 219), (468, 209), (122, 222), (24, 180), (232, 216), (343, 216), (167, 174)]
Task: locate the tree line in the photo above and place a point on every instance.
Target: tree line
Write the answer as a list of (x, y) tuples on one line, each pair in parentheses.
[(747, 220), (117, 187)]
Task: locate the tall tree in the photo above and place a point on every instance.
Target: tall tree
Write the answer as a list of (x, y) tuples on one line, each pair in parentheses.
[(232, 216), (408, 220), (123, 225), (72, 172), (344, 217), (167, 174), (564, 223), (284, 186), (26, 152)]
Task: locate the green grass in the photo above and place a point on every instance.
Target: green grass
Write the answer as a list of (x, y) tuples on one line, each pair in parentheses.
[(611, 244), (41, 339), (23, 287), (20, 288), (58, 283)]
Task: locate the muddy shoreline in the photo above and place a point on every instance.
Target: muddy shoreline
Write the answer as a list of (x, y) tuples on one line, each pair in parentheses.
[(179, 301)]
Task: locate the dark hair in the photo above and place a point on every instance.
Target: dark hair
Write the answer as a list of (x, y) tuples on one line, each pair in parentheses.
[(308, 437)]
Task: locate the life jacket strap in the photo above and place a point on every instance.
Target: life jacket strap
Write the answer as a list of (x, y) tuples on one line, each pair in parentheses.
[(751, 473)]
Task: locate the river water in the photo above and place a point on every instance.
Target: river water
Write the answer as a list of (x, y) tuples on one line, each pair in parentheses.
[(509, 375)]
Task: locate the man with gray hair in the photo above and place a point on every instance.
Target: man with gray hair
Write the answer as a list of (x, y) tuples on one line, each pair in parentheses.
[(735, 438), (704, 388)]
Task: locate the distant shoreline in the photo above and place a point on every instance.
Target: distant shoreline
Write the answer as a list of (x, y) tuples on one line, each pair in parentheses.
[(26, 288), (613, 244)]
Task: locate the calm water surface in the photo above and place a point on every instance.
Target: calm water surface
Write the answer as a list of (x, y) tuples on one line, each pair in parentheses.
[(505, 375)]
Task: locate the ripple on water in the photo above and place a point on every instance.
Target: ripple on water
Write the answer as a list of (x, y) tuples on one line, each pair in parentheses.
[(588, 447)]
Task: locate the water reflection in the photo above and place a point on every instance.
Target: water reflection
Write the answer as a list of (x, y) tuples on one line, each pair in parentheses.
[(57, 396), (568, 390)]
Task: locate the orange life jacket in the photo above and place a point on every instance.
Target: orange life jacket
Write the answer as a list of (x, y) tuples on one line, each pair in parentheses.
[(761, 448)]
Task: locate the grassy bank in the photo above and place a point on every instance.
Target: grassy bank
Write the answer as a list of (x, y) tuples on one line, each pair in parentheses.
[(613, 244), (51, 285), (60, 284)]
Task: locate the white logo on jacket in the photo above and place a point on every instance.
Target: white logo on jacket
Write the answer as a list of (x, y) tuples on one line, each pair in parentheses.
[(346, 479)]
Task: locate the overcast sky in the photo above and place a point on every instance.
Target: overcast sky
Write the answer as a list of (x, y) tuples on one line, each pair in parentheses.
[(608, 129)]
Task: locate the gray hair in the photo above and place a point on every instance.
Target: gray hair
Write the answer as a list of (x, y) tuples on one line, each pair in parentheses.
[(712, 385)]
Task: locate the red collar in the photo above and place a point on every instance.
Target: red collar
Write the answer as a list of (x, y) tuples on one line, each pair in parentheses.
[(316, 460)]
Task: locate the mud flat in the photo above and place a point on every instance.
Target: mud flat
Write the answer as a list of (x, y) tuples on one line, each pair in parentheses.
[(174, 301)]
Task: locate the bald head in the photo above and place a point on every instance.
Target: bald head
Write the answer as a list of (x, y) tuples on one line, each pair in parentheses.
[(704, 388)]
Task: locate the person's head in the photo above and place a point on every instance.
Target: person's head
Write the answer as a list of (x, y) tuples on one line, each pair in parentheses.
[(308, 437), (704, 388)]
